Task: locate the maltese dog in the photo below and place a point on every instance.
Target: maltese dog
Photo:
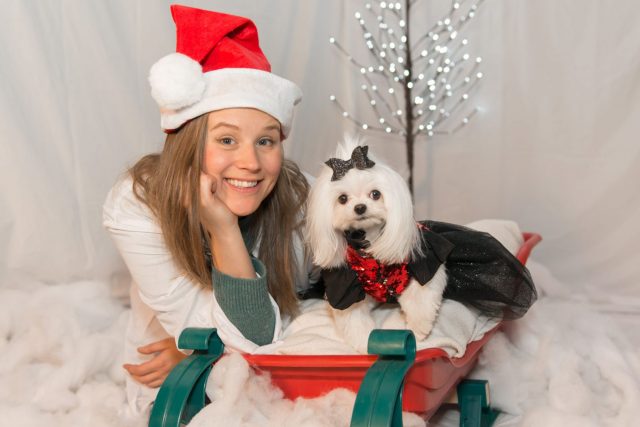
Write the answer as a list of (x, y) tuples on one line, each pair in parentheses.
[(362, 233)]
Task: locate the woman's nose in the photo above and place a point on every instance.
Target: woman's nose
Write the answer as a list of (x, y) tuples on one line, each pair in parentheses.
[(248, 158)]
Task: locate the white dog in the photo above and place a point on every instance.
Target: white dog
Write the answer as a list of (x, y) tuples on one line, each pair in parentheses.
[(359, 214)]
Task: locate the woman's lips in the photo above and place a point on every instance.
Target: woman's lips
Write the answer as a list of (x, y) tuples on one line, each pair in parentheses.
[(243, 186)]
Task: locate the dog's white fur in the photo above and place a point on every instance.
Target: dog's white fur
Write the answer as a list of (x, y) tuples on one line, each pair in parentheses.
[(390, 228)]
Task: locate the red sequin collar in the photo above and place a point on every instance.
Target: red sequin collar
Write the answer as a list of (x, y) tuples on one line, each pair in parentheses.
[(383, 282)]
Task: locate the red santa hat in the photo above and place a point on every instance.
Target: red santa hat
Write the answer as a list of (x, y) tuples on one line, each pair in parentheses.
[(218, 64)]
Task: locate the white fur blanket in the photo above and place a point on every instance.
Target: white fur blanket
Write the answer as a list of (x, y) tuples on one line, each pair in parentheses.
[(313, 332)]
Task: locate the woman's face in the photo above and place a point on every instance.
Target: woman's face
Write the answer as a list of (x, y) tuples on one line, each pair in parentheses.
[(243, 152)]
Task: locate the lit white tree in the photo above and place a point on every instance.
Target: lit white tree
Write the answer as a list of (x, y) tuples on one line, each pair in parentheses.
[(417, 82)]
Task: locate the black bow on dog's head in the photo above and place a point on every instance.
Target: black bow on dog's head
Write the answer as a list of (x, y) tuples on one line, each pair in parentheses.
[(358, 159)]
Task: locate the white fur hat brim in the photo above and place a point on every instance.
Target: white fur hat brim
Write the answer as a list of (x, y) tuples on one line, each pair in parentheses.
[(219, 89)]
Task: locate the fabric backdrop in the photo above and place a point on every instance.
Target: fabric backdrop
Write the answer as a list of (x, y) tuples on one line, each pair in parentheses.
[(553, 147)]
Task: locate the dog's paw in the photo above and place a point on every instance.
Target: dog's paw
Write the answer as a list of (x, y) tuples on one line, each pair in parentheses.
[(358, 337), (357, 334), (421, 326), (361, 345), (355, 324), (422, 320), (395, 320), (421, 304)]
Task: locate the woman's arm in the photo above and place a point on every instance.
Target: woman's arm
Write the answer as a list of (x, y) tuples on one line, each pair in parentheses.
[(177, 301), (239, 280)]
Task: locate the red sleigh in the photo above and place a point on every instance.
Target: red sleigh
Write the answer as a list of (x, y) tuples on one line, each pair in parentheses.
[(392, 378)]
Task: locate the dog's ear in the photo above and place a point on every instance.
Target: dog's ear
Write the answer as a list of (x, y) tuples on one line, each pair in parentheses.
[(400, 238), (327, 245)]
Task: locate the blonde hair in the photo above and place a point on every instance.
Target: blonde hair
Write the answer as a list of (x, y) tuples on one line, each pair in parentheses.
[(169, 184)]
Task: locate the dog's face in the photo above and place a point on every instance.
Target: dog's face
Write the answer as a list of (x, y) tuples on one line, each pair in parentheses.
[(374, 201), (358, 203)]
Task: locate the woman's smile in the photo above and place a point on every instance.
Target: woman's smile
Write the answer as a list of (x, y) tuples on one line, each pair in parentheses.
[(241, 185)]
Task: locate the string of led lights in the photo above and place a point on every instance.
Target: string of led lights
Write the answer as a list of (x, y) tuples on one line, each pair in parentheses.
[(439, 81), (418, 89)]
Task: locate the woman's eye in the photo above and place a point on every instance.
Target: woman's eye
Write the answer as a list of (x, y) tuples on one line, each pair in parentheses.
[(375, 194), (226, 141), (265, 142), (343, 199)]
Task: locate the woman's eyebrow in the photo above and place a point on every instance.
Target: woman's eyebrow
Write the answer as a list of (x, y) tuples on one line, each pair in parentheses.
[(274, 126), (223, 124)]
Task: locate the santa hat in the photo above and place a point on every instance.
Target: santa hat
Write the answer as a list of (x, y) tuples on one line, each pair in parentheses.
[(218, 64)]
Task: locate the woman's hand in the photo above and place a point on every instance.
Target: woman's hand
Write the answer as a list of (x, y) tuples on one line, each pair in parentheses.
[(229, 253), (153, 372), (214, 214)]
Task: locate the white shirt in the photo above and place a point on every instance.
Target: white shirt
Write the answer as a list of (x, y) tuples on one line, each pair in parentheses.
[(163, 300)]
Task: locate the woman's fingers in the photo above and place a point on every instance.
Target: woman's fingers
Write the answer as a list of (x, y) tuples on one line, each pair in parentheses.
[(152, 378), (214, 213), (145, 368), (156, 383), (149, 373), (208, 186), (153, 372), (157, 346)]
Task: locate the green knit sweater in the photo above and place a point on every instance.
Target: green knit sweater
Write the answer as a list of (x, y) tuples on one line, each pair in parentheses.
[(246, 302)]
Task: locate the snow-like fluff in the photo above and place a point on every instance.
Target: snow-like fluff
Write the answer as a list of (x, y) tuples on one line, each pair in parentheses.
[(60, 365), (563, 364), (60, 356)]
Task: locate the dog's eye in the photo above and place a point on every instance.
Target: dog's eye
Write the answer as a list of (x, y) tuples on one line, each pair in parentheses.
[(343, 199), (375, 194)]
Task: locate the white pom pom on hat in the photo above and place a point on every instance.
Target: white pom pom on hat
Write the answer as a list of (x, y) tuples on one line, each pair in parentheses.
[(176, 81), (218, 64)]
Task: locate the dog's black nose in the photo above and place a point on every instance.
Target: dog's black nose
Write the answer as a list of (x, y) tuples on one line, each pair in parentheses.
[(360, 209)]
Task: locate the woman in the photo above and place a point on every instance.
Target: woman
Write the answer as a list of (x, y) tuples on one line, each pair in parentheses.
[(189, 221)]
